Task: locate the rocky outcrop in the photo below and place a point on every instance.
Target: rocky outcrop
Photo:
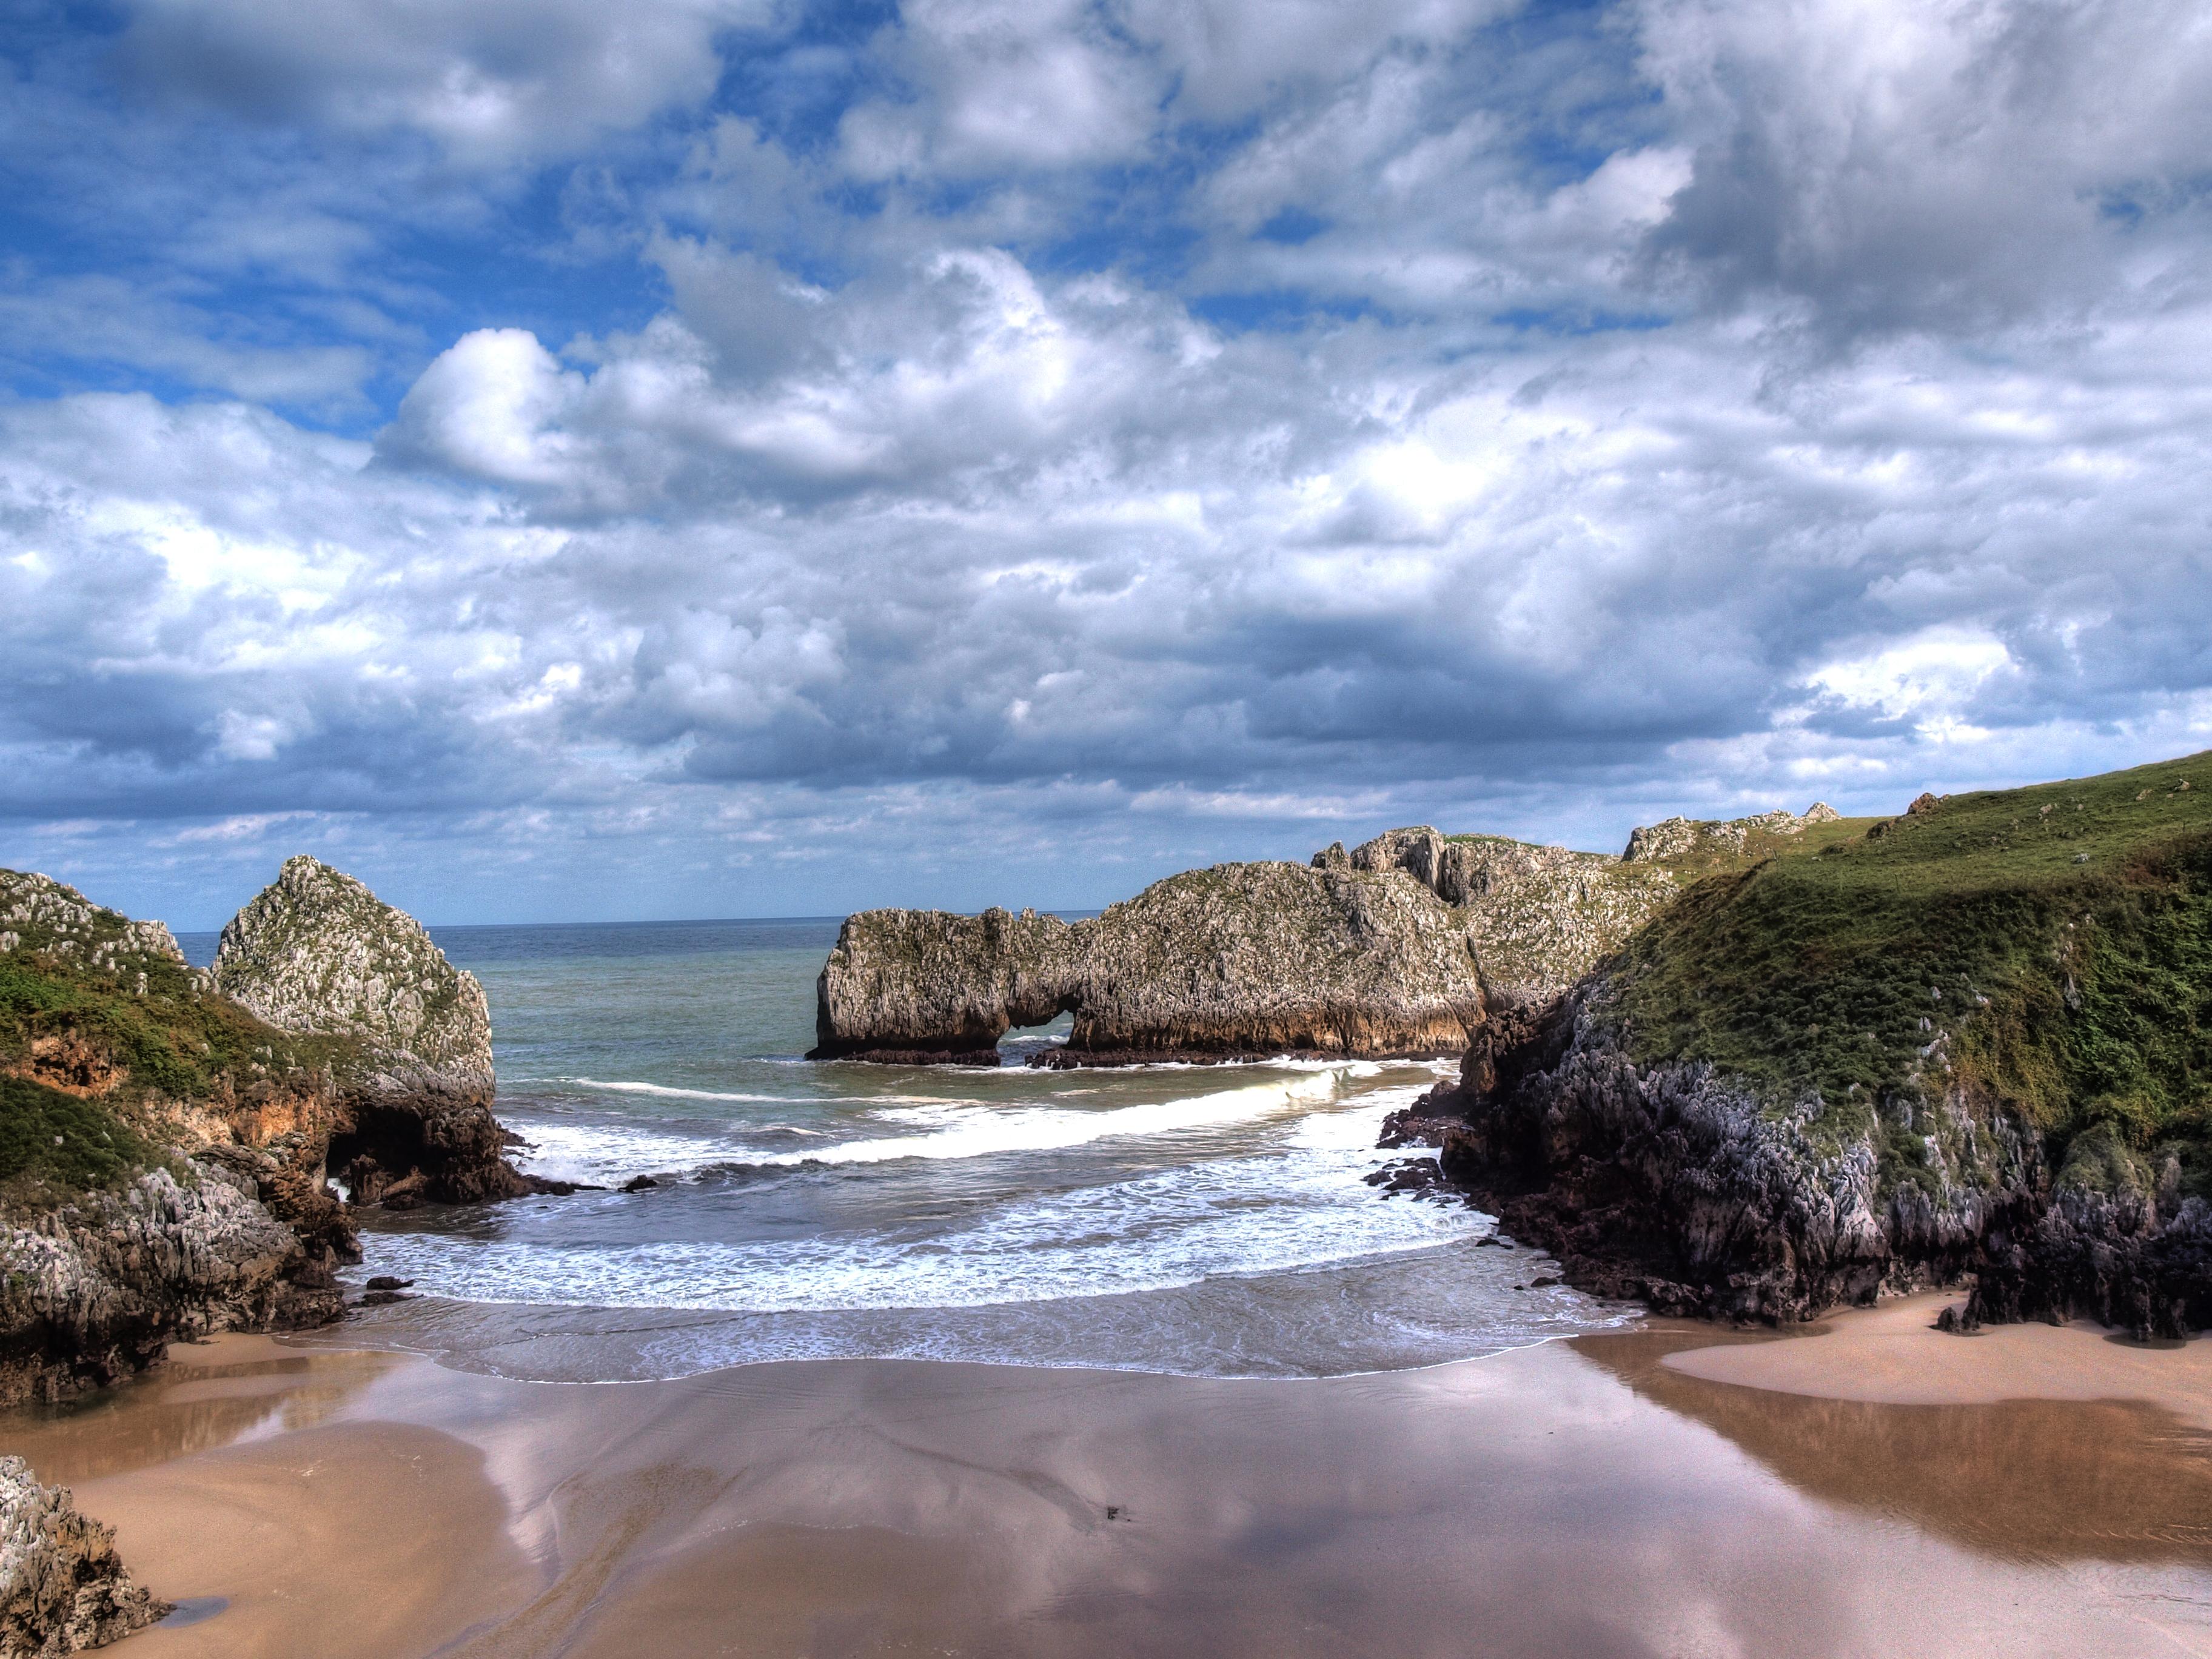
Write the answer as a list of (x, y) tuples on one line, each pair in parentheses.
[(1537, 918), (1396, 947), (91, 1290), (316, 953), (1241, 959), (1677, 838), (1674, 1184), (38, 913), (1969, 1047), (1671, 1184), (62, 1588)]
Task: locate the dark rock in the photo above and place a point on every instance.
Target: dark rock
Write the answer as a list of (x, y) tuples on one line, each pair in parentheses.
[(62, 1587), (386, 1282), (1417, 1176), (914, 1056), (1667, 1182), (639, 1184), (383, 1298), (93, 1290)]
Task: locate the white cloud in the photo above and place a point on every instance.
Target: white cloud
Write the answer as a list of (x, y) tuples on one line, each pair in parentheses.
[(1701, 405)]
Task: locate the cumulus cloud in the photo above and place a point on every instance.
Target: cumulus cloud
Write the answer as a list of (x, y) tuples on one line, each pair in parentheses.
[(490, 80), (1095, 439)]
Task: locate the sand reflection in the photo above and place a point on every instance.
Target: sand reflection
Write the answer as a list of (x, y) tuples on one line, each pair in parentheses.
[(2023, 1480), (207, 1396)]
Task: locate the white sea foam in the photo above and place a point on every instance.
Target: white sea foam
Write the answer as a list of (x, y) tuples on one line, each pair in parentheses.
[(666, 1092), (1272, 1213), (971, 1129)]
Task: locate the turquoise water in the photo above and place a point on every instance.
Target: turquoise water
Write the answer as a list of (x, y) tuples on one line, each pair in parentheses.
[(1207, 1220)]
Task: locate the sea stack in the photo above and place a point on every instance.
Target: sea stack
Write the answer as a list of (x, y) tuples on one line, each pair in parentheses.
[(317, 954), (1404, 946)]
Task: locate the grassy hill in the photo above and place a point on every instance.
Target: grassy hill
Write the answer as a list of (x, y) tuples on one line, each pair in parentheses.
[(105, 1036), (2047, 950)]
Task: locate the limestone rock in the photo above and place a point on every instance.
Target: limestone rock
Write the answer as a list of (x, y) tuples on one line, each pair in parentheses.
[(1399, 946), (92, 1290), (1239, 959), (316, 951), (39, 914), (62, 1587), (1674, 1184), (1731, 837), (1538, 918), (1671, 1183)]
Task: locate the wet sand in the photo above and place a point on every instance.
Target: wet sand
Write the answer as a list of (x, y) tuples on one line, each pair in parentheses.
[(1602, 1497)]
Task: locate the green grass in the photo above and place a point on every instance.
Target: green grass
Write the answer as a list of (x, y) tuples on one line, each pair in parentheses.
[(172, 1040), (63, 1145), (76, 989), (2062, 934)]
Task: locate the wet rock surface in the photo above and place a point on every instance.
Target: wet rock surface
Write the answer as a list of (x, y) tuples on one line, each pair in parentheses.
[(62, 1588)]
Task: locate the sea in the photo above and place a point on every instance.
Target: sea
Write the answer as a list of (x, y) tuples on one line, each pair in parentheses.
[(1199, 1220)]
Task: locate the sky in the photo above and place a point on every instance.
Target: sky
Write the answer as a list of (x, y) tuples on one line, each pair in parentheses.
[(691, 458)]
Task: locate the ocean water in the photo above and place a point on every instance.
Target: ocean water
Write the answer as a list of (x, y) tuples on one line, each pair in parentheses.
[(1201, 1221)]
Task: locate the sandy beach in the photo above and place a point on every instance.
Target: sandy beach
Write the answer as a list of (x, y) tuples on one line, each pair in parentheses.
[(1872, 1488)]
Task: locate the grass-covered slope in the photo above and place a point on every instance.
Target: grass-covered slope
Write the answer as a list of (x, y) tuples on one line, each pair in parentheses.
[(109, 1041), (2047, 950)]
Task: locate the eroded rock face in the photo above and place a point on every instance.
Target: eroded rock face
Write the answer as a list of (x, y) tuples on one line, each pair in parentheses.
[(1396, 947), (62, 1588), (1239, 959), (1671, 1184), (1538, 918), (92, 1290), (316, 951), (39, 912), (1683, 837)]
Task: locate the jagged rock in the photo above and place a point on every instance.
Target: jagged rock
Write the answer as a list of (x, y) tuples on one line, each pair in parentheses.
[(1685, 837), (92, 1290), (38, 913), (316, 952), (62, 1588), (1391, 948), (1239, 959), (1672, 1183)]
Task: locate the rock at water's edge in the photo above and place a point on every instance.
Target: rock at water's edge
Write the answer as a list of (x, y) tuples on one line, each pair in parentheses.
[(93, 1290), (62, 1588), (1238, 959), (316, 951)]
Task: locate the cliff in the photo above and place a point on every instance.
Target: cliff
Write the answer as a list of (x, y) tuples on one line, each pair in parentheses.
[(61, 1589), (1969, 1040), (164, 1146), (1405, 946)]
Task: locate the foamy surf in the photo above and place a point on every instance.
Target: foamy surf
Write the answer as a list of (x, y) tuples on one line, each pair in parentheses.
[(1176, 1217), (977, 1130)]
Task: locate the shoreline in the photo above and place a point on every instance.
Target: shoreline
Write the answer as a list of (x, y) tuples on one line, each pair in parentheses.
[(1595, 1494)]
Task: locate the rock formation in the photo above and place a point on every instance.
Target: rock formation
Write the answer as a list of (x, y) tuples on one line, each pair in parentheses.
[(95, 1288), (1237, 960), (1403, 945), (62, 1588), (316, 953), (166, 1135), (1952, 1049)]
